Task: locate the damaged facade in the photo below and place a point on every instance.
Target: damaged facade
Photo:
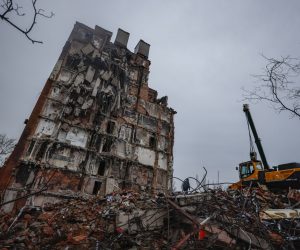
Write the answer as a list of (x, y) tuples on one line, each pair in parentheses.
[(96, 128)]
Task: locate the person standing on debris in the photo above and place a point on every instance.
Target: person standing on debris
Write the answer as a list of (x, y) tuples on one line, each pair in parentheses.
[(186, 185)]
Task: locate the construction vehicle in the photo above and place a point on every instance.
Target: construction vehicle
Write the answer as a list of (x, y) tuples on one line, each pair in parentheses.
[(255, 172)]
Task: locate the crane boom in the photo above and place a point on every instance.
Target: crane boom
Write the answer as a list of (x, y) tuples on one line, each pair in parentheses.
[(257, 139)]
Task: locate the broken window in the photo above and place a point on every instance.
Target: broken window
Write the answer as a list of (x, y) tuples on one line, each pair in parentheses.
[(30, 148), (22, 174), (42, 151), (95, 142), (106, 101), (110, 127), (125, 132), (73, 61), (101, 168), (97, 186), (152, 142), (99, 118), (148, 122), (107, 145)]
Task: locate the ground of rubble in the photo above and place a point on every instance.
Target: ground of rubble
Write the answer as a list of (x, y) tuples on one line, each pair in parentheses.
[(212, 219)]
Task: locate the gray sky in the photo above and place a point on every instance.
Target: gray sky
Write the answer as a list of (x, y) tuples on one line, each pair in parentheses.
[(202, 54)]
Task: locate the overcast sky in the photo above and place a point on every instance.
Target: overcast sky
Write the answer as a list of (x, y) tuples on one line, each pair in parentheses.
[(202, 54)]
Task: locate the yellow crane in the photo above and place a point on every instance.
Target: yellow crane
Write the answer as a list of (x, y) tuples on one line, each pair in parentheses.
[(255, 172)]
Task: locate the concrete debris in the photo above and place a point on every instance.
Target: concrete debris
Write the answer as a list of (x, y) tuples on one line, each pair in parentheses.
[(211, 219), (273, 214)]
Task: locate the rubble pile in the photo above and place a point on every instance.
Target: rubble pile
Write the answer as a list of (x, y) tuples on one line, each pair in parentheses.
[(253, 218), (90, 223)]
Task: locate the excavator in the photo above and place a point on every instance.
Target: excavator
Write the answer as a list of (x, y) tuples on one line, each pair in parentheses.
[(255, 172)]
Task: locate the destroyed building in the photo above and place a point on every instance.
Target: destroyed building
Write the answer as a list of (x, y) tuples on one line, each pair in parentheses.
[(93, 167), (97, 126)]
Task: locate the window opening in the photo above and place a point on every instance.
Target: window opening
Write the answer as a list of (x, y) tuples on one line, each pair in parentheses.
[(152, 142), (97, 186), (107, 145), (246, 170), (101, 168), (30, 148), (110, 127)]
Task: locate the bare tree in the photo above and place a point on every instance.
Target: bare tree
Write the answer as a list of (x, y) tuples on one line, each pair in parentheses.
[(11, 9), (279, 85), (6, 147)]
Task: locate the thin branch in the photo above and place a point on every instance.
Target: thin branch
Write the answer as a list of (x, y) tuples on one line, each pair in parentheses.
[(8, 6), (274, 90), (17, 10), (282, 92)]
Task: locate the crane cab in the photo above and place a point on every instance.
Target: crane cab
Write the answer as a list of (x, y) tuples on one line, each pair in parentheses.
[(249, 171)]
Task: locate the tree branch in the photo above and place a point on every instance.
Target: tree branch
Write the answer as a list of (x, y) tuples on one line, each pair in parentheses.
[(276, 85), (10, 6)]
